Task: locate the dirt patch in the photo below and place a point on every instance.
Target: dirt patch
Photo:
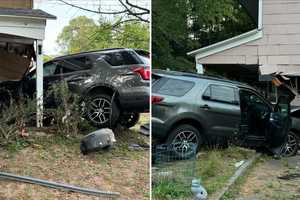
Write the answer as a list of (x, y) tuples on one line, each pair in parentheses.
[(51, 158), (264, 183)]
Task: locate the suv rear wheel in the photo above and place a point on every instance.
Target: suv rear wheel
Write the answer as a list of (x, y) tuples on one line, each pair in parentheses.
[(185, 139), (99, 108)]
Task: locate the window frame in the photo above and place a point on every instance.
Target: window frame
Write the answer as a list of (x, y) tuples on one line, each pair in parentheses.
[(235, 90)]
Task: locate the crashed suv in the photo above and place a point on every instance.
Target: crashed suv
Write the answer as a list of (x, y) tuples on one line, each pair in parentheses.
[(107, 81), (195, 109)]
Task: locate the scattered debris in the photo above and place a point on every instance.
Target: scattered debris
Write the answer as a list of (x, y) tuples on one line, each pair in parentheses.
[(145, 130), (238, 164), (64, 187), (288, 177), (138, 147), (98, 140), (198, 190)]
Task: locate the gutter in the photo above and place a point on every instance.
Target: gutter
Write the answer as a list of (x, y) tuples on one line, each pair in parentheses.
[(227, 44)]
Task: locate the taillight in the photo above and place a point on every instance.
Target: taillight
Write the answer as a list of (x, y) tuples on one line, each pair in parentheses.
[(156, 99), (145, 73)]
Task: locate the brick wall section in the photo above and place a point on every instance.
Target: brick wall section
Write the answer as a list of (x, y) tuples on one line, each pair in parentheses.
[(16, 4), (280, 44)]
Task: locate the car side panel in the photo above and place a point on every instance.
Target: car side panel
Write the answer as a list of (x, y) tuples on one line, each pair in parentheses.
[(221, 119)]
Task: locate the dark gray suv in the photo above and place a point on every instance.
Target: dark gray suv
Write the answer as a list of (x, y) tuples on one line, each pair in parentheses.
[(97, 77), (189, 108)]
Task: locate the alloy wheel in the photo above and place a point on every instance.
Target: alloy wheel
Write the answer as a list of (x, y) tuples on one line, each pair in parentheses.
[(99, 110), (291, 146), (184, 142)]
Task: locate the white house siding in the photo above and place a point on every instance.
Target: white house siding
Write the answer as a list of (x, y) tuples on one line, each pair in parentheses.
[(23, 27), (280, 44)]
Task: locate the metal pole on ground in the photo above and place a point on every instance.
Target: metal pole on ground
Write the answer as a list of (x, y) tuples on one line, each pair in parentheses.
[(60, 186)]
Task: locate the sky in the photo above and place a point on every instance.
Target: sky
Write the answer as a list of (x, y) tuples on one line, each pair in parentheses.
[(65, 13)]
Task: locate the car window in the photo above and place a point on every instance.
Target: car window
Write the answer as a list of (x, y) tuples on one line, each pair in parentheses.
[(82, 62), (122, 58), (220, 93), (173, 87), (63, 68), (49, 69)]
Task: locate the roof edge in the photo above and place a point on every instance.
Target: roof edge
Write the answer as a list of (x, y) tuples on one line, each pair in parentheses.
[(227, 44)]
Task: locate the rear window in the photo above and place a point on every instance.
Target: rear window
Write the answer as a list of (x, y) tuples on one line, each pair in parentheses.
[(220, 93), (122, 58), (172, 87)]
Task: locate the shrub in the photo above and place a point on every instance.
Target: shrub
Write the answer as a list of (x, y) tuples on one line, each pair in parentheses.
[(67, 113)]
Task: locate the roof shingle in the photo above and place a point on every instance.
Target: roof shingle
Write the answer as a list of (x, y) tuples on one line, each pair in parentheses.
[(34, 13)]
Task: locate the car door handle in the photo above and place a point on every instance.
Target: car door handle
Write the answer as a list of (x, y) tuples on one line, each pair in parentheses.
[(205, 107)]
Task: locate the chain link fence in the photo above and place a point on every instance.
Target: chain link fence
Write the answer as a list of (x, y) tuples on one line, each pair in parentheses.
[(173, 171)]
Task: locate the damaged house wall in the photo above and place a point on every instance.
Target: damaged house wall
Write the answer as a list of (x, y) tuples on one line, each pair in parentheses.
[(16, 4), (273, 47), (15, 59)]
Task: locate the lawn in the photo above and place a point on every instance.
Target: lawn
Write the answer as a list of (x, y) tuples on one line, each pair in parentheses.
[(53, 157), (213, 167)]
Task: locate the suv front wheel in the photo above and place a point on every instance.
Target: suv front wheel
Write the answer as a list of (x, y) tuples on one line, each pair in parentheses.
[(292, 145), (99, 109), (185, 140)]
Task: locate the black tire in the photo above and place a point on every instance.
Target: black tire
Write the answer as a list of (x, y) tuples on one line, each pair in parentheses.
[(98, 115), (292, 145), (184, 149), (83, 149), (129, 120)]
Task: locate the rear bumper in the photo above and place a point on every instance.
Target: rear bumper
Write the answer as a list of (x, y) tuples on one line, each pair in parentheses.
[(135, 99)]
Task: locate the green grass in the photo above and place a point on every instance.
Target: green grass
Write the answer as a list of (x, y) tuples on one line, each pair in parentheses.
[(214, 168), (57, 157)]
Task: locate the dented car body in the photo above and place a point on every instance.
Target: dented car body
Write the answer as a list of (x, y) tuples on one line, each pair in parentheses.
[(190, 108), (110, 80)]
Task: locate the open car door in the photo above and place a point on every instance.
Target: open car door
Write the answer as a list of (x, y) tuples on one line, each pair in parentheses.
[(263, 124)]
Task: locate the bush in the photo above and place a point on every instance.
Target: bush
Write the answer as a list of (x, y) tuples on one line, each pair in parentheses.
[(13, 119), (68, 112)]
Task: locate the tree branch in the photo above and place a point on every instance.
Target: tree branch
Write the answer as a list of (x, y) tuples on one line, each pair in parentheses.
[(138, 7), (130, 12), (94, 11), (127, 10)]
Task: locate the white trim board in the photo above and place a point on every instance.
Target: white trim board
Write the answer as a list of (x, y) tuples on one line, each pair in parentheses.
[(227, 44)]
